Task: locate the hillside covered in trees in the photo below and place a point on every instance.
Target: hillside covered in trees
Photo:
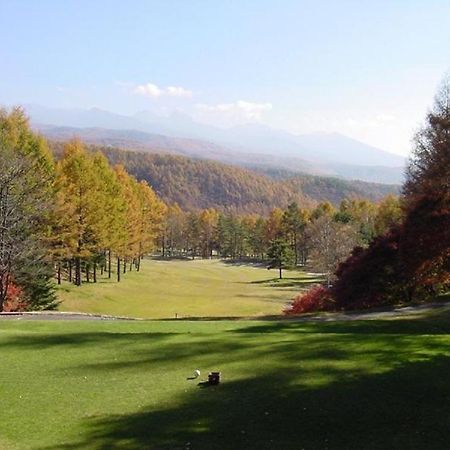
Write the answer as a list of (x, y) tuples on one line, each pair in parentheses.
[(198, 184)]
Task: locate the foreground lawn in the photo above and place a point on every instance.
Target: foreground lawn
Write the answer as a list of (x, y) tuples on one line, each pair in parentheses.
[(286, 385), (200, 288)]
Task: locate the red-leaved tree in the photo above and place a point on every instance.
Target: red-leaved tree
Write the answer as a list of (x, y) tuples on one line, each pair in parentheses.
[(14, 299), (373, 276), (425, 242), (318, 298)]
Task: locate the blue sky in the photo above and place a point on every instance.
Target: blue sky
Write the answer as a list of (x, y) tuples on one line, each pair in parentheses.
[(363, 68)]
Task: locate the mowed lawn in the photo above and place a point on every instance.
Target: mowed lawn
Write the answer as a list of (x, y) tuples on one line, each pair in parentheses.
[(286, 385), (199, 288)]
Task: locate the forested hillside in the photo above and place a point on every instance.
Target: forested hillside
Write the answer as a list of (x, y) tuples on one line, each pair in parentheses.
[(335, 190), (198, 184), (322, 188)]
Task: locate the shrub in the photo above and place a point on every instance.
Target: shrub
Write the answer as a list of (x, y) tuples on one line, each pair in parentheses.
[(318, 298), (14, 299)]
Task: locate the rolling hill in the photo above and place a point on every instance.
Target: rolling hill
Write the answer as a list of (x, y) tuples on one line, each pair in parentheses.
[(197, 184)]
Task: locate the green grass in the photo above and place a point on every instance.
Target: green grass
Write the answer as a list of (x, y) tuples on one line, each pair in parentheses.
[(286, 385), (187, 288)]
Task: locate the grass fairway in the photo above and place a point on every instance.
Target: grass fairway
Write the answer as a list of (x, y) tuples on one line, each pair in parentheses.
[(197, 288), (286, 385)]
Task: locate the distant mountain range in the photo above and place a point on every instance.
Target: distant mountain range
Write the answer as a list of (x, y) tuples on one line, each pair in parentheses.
[(252, 145)]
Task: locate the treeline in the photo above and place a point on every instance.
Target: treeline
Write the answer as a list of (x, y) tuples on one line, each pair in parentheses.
[(201, 184), (410, 261), (71, 218), (320, 237), (101, 213)]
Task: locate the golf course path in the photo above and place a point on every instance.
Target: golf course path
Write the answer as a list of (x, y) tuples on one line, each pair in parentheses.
[(326, 317), (373, 315), (58, 315)]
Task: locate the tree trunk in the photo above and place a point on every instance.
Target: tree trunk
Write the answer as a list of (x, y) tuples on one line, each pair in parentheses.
[(87, 273), (4, 284), (410, 293), (124, 265), (59, 272), (78, 271), (295, 249), (70, 271), (280, 276), (138, 265), (109, 263), (118, 269), (95, 272), (171, 246)]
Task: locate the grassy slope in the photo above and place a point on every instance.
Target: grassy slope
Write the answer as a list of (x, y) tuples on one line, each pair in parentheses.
[(286, 385), (187, 288)]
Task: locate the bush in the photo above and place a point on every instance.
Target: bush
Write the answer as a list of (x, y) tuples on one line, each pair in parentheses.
[(318, 298), (14, 299)]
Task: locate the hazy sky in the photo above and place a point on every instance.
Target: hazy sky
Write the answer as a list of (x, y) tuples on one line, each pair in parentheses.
[(368, 69)]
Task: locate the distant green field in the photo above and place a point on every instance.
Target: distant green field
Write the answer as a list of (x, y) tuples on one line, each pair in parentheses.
[(286, 385), (200, 288)]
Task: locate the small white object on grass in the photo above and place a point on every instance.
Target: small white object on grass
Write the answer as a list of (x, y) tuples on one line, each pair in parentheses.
[(196, 373)]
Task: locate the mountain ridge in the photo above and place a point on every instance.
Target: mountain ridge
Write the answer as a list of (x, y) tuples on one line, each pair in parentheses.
[(316, 153), (157, 143)]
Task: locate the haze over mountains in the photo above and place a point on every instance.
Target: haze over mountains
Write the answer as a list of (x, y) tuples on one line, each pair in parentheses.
[(250, 145)]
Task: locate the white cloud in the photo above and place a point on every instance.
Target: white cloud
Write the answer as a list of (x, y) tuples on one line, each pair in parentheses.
[(178, 91), (238, 110), (154, 91), (148, 90)]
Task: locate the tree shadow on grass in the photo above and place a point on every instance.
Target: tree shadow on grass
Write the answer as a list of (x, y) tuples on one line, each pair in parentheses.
[(410, 326), (404, 408), (42, 341), (259, 264), (296, 282), (171, 258)]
